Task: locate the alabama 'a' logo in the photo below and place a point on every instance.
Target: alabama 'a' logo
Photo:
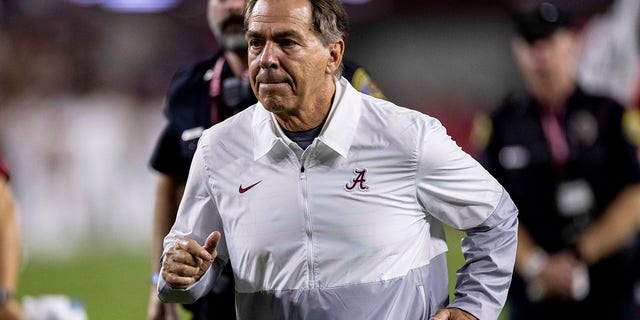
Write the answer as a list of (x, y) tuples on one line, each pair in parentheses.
[(360, 181)]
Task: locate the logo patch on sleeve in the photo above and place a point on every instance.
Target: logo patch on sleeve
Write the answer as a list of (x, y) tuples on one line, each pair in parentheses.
[(363, 83)]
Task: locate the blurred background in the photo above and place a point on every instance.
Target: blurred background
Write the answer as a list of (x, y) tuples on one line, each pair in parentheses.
[(82, 84)]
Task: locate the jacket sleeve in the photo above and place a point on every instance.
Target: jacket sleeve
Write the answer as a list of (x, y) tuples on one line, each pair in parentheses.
[(458, 191), (197, 217)]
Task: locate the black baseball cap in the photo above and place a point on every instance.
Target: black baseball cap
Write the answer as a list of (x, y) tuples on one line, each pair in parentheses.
[(541, 21)]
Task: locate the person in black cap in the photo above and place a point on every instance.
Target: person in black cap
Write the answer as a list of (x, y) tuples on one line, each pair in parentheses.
[(564, 157)]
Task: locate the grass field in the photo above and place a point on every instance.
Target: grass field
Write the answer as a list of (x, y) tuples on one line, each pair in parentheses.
[(110, 283), (114, 284)]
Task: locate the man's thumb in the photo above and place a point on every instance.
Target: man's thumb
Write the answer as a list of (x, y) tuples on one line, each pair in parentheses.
[(441, 315), (212, 242)]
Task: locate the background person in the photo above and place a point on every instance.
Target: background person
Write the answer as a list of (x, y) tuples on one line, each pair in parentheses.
[(609, 62), (9, 250), (563, 155), (330, 203), (200, 95)]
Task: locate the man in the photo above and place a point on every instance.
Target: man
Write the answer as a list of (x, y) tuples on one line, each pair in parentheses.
[(9, 250), (201, 95), (564, 157), (330, 203)]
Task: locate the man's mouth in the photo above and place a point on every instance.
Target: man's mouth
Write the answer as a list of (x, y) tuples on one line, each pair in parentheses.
[(270, 78)]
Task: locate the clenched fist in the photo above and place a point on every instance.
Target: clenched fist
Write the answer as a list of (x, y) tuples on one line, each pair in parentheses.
[(187, 261)]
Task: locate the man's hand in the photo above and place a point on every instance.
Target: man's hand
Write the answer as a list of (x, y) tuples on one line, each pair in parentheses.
[(453, 314), (557, 275), (187, 261)]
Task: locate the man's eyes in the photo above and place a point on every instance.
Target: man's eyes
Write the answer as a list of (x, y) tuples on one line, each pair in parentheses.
[(284, 43), (287, 43), (255, 42)]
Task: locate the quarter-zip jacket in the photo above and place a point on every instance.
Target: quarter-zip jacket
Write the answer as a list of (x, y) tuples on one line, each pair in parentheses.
[(351, 227)]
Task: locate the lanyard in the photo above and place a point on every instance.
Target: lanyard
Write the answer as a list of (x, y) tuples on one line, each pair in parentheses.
[(214, 88), (556, 138)]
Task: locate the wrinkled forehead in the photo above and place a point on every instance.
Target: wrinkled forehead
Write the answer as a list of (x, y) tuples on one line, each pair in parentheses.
[(279, 17), (297, 12)]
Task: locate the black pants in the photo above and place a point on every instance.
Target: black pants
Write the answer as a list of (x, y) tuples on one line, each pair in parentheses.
[(219, 304), (621, 308)]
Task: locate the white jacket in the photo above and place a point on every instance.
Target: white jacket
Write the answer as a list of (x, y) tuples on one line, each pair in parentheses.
[(351, 228)]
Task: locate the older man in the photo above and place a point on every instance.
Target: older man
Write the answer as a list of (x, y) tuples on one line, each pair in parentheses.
[(202, 94)]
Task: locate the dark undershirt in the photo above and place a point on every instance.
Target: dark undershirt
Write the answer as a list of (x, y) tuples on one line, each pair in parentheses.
[(303, 138)]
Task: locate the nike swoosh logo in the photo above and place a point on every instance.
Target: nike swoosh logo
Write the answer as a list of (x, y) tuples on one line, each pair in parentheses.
[(243, 190)]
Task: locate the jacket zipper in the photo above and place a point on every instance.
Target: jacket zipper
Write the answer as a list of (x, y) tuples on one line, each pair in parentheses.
[(311, 278)]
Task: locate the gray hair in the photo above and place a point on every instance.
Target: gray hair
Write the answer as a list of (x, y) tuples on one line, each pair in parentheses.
[(330, 22)]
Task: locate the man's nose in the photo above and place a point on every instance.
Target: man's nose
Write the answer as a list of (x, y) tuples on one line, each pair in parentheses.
[(269, 56)]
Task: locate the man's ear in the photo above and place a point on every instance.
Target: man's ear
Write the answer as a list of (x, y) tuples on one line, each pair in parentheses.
[(336, 50)]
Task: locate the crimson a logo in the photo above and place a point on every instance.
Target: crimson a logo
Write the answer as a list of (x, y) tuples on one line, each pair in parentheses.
[(359, 181)]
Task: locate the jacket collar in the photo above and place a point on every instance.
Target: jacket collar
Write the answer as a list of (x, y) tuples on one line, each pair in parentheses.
[(337, 134)]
